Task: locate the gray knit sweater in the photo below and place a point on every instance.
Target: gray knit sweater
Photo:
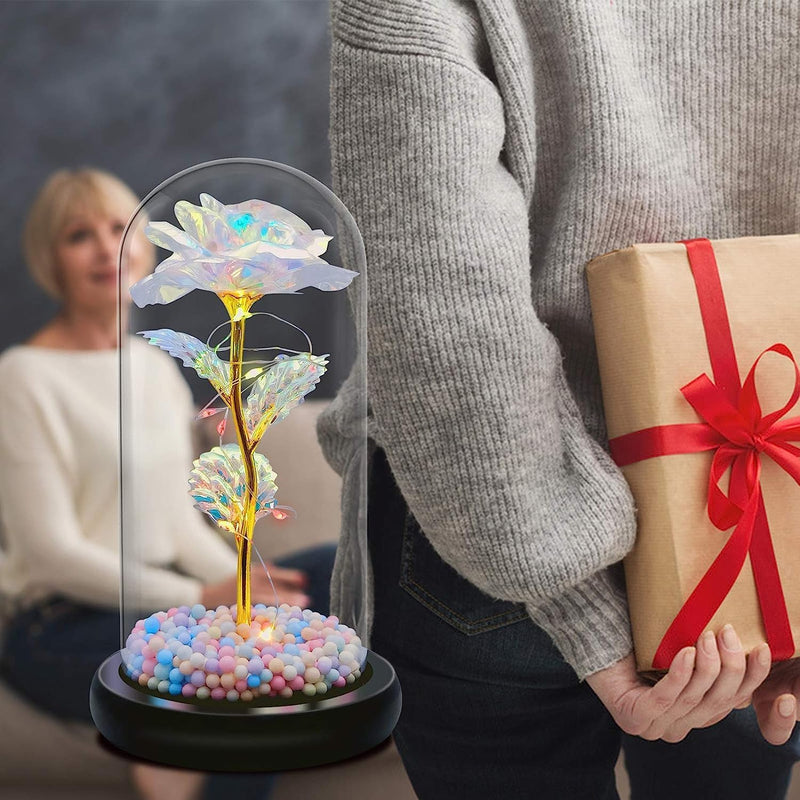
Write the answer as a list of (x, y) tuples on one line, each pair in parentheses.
[(488, 150)]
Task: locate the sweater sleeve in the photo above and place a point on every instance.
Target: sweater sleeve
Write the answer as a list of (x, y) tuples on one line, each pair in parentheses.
[(466, 384), (200, 549), (40, 519)]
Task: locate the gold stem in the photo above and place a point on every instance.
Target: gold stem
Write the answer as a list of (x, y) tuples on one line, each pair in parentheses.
[(237, 307)]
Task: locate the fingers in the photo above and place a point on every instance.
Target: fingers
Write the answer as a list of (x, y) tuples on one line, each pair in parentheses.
[(759, 662), (292, 597), (758, 666), (292, 578), (288, 584), (724, 679), (724, 667), (652, 704), (733, 685), (703, 686), (677, 720), (777, 727), (714, 720), (295, 599), (714, 688)]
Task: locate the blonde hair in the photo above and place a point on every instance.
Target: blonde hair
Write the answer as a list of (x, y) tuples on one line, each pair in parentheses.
[(64, 194)]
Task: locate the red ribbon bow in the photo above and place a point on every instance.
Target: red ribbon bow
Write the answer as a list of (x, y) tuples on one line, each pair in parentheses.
[(738, 432)]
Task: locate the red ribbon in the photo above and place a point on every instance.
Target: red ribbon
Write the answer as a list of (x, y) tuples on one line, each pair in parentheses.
[(737, 431)]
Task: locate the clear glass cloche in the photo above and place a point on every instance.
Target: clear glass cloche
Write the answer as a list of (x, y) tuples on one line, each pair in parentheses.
[(234, 307)]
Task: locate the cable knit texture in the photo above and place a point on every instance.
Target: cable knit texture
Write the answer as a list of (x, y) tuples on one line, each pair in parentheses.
[(488, 150)]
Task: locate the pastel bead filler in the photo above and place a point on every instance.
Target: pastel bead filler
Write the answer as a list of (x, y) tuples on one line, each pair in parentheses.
[(202, 653)]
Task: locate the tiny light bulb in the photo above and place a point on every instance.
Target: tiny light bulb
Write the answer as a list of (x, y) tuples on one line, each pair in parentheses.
[(241, 314), (253, 372)]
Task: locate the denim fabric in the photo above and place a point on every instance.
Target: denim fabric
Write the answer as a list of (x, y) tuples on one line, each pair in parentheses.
[(491, 709), (50, 655)]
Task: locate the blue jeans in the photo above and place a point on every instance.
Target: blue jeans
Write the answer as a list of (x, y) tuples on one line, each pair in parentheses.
[(491, 709), (70, 640)]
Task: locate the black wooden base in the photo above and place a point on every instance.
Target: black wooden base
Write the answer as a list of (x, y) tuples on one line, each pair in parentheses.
[(257, 736)]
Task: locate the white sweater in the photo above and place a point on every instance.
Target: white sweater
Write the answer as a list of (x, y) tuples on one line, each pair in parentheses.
[(59, 480)]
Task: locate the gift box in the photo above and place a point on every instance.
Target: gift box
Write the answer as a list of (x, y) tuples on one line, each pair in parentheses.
[(696, 343)]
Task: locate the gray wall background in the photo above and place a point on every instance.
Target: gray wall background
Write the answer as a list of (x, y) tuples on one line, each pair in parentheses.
[(146, 88)]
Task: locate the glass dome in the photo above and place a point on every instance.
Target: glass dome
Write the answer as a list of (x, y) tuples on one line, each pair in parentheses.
[(248, 312)]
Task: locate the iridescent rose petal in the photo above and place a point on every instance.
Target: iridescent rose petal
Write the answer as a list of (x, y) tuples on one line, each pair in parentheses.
[(254, 247)]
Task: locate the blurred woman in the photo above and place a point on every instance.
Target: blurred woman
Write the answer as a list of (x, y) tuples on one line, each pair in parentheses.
[(59, 449)]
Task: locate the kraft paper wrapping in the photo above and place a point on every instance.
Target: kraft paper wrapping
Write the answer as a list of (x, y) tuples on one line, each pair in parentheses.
[(650, 342)]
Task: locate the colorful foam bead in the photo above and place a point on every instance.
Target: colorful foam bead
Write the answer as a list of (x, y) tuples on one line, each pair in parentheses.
[(227, 681), (198, 652), (227, 663)]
